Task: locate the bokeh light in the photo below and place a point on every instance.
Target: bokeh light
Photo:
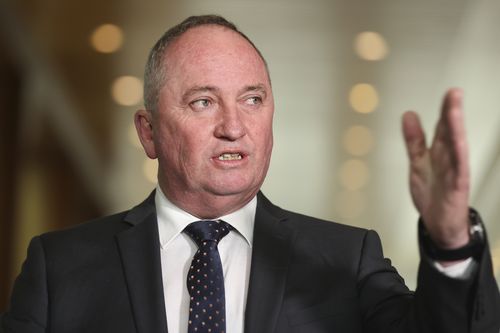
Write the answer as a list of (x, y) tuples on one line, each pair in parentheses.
[(127, 90), (370, 46), (358, 140), (107, 38), (353, 174), (363, 98)]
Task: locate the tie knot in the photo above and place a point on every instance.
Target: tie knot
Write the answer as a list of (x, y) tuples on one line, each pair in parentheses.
[(207, 231)]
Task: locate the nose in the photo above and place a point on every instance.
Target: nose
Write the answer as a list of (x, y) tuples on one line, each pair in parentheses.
[(230, 125)]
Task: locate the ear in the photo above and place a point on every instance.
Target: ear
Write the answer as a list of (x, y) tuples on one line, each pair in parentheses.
[(144, 125)]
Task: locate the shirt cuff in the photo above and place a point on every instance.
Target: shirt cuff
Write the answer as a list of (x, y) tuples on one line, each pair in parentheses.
[(462, 270)]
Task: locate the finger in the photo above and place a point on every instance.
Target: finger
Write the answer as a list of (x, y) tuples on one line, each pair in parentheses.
[(450, 138), (451, 128), (456, 131), (454, 115), (414, 135), (452, 104)]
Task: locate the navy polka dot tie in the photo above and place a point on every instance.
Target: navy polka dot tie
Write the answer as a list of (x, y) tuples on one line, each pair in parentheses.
[(205, 280)]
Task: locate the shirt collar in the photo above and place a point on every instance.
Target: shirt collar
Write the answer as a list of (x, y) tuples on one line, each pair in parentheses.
[(172, 220)]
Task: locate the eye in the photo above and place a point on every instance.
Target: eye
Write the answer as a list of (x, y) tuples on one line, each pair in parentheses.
[(254, 100), (201, 103)]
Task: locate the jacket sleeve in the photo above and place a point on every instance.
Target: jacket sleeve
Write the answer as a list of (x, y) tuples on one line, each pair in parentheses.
[(473, 305), (28, 308), (440, 303)]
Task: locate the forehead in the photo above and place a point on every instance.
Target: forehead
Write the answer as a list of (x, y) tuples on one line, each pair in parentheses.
[(214, 53)]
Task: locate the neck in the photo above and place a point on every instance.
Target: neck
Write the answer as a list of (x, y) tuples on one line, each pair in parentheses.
[(209, 206)]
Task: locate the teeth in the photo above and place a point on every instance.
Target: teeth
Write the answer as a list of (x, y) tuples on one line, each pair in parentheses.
[(229, 157)]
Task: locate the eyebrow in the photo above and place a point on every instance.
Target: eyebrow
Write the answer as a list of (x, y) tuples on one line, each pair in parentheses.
[(197, 89), (256, 87)]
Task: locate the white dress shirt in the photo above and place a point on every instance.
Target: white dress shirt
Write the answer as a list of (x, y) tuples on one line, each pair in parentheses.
[(178, 249), (235, 249)]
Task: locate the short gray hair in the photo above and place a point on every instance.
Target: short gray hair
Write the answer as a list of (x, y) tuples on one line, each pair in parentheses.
[(155, 72)]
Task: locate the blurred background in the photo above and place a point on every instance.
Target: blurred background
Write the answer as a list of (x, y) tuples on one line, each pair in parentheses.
[(343, 73)]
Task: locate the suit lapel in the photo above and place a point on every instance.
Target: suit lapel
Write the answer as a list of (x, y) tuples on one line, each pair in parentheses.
[(270, 260), (140, 254)]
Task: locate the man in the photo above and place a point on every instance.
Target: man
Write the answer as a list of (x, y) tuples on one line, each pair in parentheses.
[(208, 121)]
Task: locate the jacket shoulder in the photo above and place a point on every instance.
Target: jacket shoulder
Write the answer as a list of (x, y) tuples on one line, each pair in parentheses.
[(306, 223), (88, 243), (106, 227), (102, 227)]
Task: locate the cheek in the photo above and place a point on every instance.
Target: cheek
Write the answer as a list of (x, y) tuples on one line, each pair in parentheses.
[(264, 134), (192, 146), (169, 145)]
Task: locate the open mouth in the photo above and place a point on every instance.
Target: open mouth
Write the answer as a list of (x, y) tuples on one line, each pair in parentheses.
[(230, 157)]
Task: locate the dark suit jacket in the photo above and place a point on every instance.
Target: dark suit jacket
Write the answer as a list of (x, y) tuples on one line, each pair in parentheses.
[(307, 275)]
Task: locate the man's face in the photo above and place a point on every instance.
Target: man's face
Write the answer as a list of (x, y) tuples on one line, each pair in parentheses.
[(212, 131)]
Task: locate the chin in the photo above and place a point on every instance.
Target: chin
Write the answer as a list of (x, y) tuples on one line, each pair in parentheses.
[(233, 188)]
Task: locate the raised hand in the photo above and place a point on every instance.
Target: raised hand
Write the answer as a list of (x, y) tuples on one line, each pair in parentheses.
[(439, 174)]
